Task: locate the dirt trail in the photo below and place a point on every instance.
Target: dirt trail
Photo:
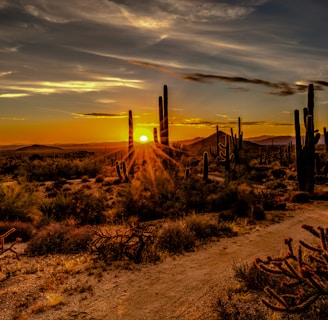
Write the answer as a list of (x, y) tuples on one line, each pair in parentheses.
[(185, 287), (182, 287)]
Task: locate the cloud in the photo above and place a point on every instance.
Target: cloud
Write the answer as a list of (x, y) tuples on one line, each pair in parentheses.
[(320, 82), (50, 87), (5, 73), (13, 95), (98, 115), (280, 88), (200, 123)]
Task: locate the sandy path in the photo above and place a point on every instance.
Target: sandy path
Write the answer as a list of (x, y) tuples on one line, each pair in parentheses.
[(185, 287), (182, 287)]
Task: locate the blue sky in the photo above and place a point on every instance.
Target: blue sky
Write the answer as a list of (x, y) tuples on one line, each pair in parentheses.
[(71, 70)]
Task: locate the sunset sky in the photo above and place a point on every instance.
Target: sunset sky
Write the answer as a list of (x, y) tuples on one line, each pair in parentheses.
[(71, 70)]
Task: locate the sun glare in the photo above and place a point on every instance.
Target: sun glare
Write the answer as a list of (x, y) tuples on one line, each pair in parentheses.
[(143, 139)]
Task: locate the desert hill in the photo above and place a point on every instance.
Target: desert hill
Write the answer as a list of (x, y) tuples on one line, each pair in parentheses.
[(36, 148), (210, 143)]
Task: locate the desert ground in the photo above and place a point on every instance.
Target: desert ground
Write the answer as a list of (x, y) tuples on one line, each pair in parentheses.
[(183, 286)]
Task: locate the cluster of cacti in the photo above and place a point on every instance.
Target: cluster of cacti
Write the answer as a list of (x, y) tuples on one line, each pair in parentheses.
[(305, 154), (306, 274), (163, 118), (122, 172)]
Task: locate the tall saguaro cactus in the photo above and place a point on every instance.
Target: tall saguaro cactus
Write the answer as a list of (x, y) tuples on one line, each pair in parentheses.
[(161, 118), (155, 136), (164, 117), (205, 165), (237, 142), (130, 147), (305, 155)]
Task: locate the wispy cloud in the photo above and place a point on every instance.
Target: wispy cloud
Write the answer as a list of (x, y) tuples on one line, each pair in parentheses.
[(197, 122), (280, 88), (96, 115), (48, 87), (5, 73), (13, 95)]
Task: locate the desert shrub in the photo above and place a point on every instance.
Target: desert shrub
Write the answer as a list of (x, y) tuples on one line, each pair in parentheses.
[(149, 198), (278, 173), (24, 230), (233, 306), (99, 178), (68, 167), (85, 179), (135, 244), (227, 216), (175, 237), (270, 200), (202, 227), (224, 197), (59, 238), (86, 208), (276, 185), (89, 208), (15, 203), (253, 278), (258, 212), (300, 197), (62, 206)]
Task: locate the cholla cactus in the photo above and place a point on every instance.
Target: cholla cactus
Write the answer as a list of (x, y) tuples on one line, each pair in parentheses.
[(306, 272)]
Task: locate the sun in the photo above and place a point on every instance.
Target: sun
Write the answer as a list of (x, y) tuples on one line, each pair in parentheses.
[(143, 139)]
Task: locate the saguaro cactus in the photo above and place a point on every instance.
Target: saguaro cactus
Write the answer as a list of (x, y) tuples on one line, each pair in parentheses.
[(237, 142), (205, 165), (155, 136), (305, 155), (164, 117), (225, 155), (130, 147), (161, 118)]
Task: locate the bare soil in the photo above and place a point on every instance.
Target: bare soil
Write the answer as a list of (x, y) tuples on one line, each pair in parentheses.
[(181, 287)]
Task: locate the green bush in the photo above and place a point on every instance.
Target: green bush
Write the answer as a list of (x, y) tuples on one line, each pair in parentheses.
[(59, 238)]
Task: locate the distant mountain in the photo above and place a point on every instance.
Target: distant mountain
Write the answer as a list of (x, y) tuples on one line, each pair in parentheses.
[(209, 143), (39, 148), (272, 140), (189, 141)]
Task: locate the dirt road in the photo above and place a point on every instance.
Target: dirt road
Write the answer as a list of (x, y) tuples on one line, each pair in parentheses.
[(184, 287)]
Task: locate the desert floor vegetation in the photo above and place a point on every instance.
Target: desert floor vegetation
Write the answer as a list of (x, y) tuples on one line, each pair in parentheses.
[(75, 217)]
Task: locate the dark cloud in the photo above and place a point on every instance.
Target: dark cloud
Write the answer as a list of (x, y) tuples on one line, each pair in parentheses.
[(102, 115), (280, 88), (320, 82), (228, 124)]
